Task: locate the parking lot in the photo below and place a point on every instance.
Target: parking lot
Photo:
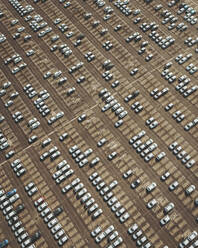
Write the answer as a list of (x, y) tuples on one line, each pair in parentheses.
[(98, 124)]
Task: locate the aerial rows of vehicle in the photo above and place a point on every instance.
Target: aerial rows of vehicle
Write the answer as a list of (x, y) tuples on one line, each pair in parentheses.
[(63, 49), (106, 192), (111, 102), (183, 82), (18, 167), (145, 149), (63, 172), (53, 152), (138, 236), (109, 233), (101, 183), (85, 198), (107, 75), (136, 37), (50, 218), (181, 59), (181, 154), (123, 8), (39, 102), (3, 140), (83, 158), (12, 216), (22, 11)]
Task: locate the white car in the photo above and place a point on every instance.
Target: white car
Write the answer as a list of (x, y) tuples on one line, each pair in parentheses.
[(93, 208), (112, 155), (124, 217), (66, 188), (59, 234), (101, 142), (151, 203), (49, 217), (26, 243), (113, 184), (22, 237), (85, 198), (169, 207), (119, 212), (7, 209), (190, 189), (93, 176), (97, 214), (137, 234), (190, 164), (100, 237), (118, 241), (173, 186), (38, 202), (45, 212), (165, 176), (164, 220), (113, 236), (148, 157), (118, 123), (29, 186), (56, 228), (10, 215), (160, 156), (78, 187), (94, 161), (96, 231), (42, 206), (63, 240), (32, 191), (116, 206), (14, 198), (109, 230), (73, 149), (88, 152), (52, 223), (112, 201), (75, 182), (132, 228), (127, 174), (89, 203), (19, 232), (16, 226), (151, 187)]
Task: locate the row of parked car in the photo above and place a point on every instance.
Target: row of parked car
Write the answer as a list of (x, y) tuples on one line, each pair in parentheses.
[(85, 198), (51, 220), (106, 192), (181, 154), (123, 8), (18, 167), (190, 239), (163, 43), (109, 233), (81, 158), (144, 149), (22, 11), (191, 124), (11, 215), (63, 172), (111, 102), (3, 140), (53, 152), (138, 236)]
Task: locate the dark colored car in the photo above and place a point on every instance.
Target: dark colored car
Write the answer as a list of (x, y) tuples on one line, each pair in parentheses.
[(58, 211), (35, 236), (19, 208)]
